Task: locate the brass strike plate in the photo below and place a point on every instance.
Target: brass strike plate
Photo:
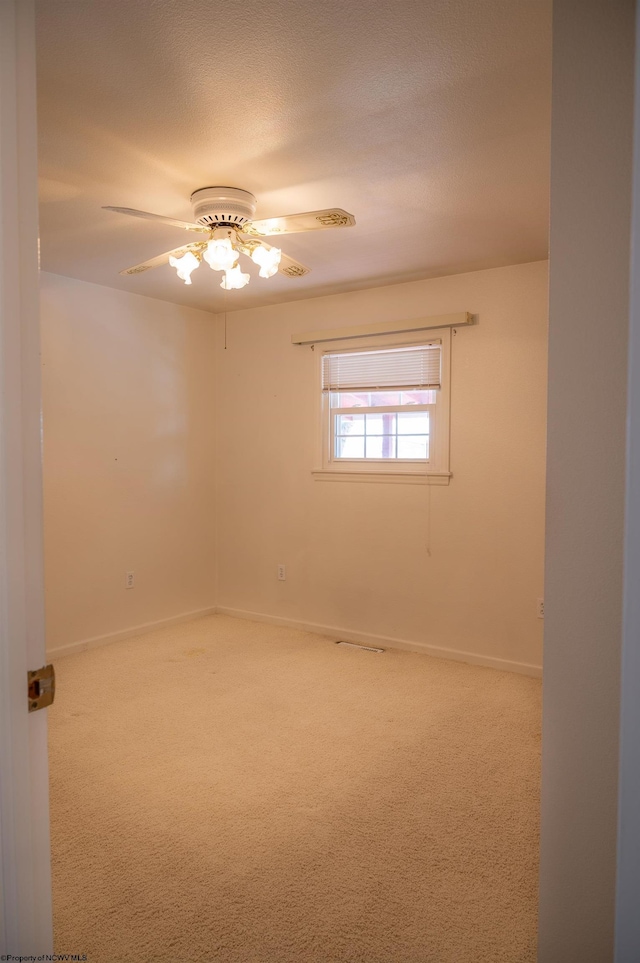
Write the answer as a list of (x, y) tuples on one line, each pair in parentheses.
[(42, 687)]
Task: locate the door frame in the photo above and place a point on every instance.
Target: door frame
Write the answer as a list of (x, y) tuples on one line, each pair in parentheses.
[(25, 861)]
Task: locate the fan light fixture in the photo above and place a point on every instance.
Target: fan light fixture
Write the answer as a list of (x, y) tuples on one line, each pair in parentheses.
[(234, 279), (267, 258), (221, 253), (185, 265)]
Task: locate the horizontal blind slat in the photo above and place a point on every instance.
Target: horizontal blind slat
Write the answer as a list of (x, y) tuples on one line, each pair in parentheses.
[(411, 368)]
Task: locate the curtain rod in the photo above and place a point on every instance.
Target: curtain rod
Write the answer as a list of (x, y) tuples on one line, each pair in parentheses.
[(384, 327)]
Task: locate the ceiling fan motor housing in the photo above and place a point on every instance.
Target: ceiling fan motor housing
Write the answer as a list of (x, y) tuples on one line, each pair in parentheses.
[(222, 205)]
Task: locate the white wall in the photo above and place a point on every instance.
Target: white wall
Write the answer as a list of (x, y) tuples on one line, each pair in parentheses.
[(356, 552), (128, 396), (593, 62)]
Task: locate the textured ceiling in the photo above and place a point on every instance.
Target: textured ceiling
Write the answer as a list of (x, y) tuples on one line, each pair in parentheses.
[(426, 119)]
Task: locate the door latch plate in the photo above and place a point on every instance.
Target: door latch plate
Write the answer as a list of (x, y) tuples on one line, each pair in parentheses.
[(41, 687)]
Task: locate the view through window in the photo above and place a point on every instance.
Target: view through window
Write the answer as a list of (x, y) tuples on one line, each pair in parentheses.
[(382, 424)]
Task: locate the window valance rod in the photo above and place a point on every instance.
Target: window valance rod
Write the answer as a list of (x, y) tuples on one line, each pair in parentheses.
[(384, 327)]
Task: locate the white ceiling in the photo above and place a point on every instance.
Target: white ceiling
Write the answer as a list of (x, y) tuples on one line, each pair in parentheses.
[(426, 119)]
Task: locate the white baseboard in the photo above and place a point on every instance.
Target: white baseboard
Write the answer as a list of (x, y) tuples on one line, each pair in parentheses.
[(331, 631), (381, 641), (127, 633)]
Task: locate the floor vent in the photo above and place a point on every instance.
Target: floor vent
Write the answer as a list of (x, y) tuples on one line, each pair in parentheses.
[(356, 645)]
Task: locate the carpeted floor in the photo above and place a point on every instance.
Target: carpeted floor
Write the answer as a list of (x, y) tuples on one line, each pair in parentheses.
[(236, 792)]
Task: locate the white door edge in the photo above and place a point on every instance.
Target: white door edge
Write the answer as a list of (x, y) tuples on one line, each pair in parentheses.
[(25, 861)]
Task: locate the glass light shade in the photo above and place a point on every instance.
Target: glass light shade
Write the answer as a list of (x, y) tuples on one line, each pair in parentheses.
[(185, 265), (268, 259), (234, 278), (220, 254)]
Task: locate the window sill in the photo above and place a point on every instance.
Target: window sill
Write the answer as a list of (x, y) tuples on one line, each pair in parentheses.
[(395, 477)]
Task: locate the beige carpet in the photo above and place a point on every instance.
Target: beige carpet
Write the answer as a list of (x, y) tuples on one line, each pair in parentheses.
[(232, 791)]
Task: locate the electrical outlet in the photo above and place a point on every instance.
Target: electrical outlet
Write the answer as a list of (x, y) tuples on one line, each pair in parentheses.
[(540, 608), (128, 580), (282, 573)]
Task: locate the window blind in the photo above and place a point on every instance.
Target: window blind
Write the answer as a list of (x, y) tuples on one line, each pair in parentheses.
[(390, 369)]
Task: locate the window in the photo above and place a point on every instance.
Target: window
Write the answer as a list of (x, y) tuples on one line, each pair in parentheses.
[(371, 425), (384, 409)]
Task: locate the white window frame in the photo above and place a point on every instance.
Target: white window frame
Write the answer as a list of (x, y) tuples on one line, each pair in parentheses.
[(434, 471)]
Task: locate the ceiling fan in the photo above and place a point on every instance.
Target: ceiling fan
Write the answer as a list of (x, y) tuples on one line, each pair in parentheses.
[(225, 216)]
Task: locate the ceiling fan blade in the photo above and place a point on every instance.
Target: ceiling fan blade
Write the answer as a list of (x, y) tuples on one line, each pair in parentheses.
[(185, 225), (293, 269), (161, 259), (294, 223)]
